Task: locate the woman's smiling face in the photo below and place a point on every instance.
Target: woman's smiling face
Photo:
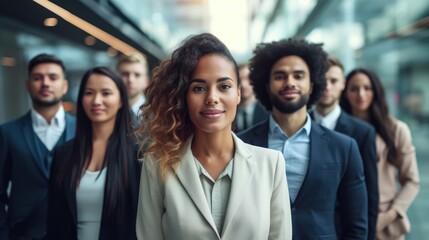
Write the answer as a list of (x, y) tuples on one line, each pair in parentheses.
[(213, 94)]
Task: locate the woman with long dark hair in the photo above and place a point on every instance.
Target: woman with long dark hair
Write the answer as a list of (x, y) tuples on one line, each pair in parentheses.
[(94, 178), (364, 98), (199, 181)]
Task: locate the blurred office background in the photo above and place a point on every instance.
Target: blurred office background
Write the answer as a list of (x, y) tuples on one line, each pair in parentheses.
[(389, 36)]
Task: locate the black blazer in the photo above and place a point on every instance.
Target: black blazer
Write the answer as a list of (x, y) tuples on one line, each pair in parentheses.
[(62, 219), (364, 134), (334, 173), (20, 164)]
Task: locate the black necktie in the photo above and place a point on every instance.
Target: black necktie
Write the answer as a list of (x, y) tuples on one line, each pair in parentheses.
[(244, 120)]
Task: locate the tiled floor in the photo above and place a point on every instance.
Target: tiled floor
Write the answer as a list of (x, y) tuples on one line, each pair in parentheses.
[(419, 211)]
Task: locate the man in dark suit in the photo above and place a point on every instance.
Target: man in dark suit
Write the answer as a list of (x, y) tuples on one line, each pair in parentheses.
[(26, 148), (322, 167), (328, 113), (134, 72), (250, 111)]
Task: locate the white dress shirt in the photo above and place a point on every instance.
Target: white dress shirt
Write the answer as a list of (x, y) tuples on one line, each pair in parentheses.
[(135, 108), (49, 134), (330, 120)]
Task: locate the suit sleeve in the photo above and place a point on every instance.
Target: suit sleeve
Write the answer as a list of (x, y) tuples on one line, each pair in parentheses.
[(281, 222), (352, 197), (4, 183), (407, 170), (150, 204), (369, 155)]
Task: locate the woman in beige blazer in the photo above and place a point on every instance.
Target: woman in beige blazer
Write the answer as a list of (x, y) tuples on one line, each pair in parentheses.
[(199, 181), (364, 98)]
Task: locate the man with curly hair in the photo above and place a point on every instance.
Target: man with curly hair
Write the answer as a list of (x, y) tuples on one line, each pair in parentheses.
[(323, 168)]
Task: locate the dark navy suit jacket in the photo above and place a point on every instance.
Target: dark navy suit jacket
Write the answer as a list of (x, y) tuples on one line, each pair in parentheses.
[(334, 173), (260, 114), (22, 167), (364, 134)]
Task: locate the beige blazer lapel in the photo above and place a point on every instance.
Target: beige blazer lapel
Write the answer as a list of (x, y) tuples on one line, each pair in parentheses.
[(244, 167), (187, 174)]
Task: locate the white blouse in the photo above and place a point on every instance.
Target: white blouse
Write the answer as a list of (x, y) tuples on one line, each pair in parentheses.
[(89, 204)]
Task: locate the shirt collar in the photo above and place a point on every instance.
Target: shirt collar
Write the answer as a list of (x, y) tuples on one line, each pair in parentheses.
[(330, 118), (274, 126), (136, 106), (226, 172), (57, 120)]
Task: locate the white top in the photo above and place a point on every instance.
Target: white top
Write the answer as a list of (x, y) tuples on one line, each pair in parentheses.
[(330, 120), (135, 108), (49, 134), (89, 204)]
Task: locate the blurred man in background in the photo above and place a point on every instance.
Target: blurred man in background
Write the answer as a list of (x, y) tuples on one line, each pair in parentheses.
[(329, 114), (250, 111), (134, 71)]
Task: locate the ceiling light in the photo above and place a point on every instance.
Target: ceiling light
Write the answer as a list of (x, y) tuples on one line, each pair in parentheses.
[(87, 27), (8, 61), (50, 22), (90, 40), (112, 52)]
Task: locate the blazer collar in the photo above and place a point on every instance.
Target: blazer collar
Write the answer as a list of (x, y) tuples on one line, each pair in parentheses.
[(342, 122), (70, 129), (29, 136), (244, 167), (30, 139), (318, 144), (187, 174), (260, 134)]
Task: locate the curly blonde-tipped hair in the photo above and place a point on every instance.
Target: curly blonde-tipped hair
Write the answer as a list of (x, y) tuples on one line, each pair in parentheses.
[(166, 125)]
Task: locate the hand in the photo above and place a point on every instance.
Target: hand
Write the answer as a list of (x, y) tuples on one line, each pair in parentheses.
[(385, 218)]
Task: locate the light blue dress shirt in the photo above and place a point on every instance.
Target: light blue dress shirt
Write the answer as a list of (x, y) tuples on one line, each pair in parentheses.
[(296, 151)]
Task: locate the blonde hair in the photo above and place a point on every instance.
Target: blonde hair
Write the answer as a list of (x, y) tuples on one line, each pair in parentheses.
[(133, 58)]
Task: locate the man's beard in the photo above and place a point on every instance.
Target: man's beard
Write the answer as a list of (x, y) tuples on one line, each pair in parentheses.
[(40, 103), (289, 107)]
